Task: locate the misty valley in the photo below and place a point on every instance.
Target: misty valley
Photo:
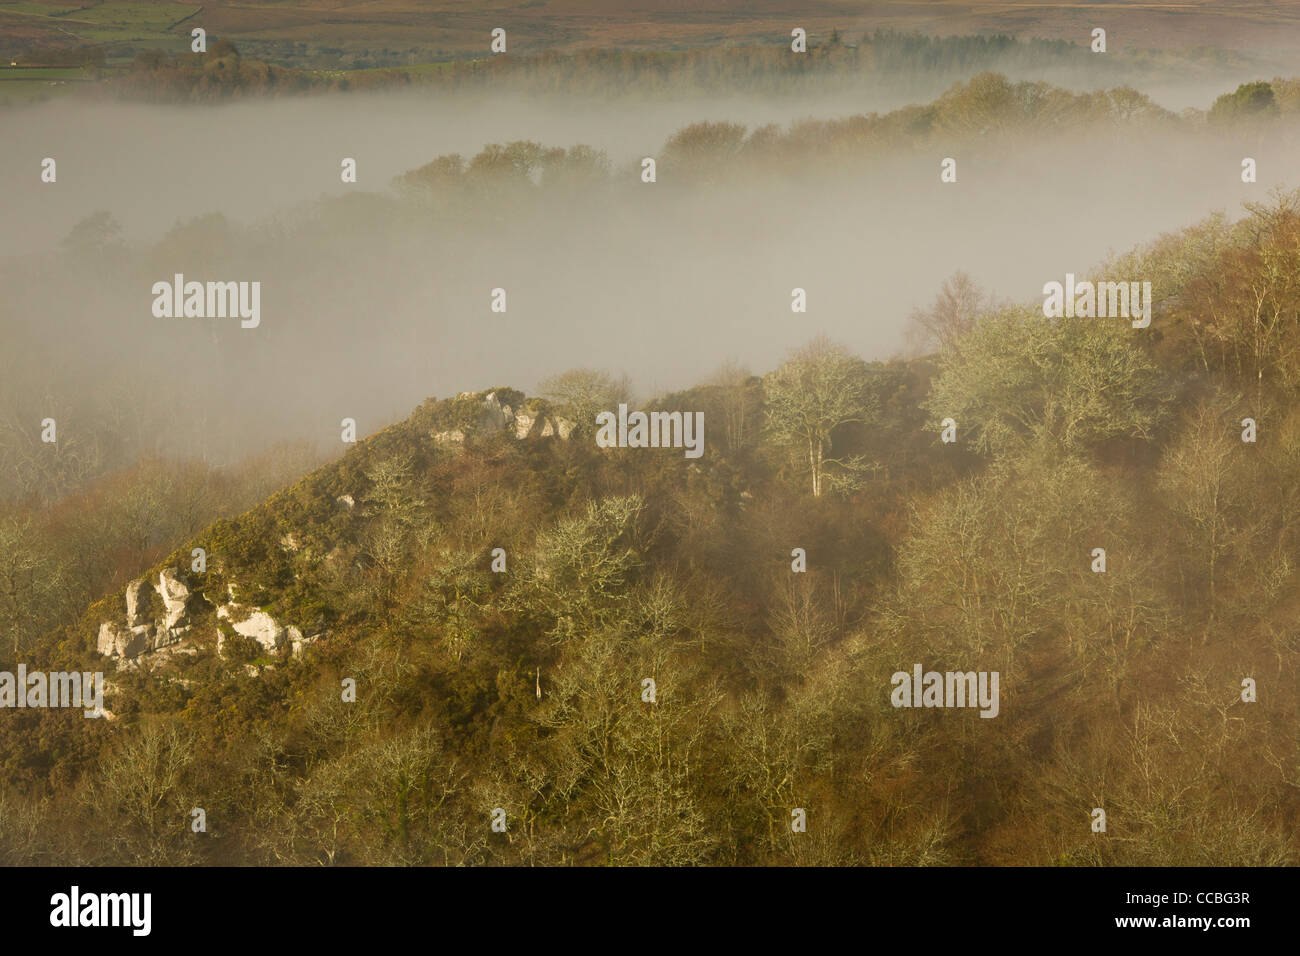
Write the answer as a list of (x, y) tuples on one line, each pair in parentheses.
[(667, 444)]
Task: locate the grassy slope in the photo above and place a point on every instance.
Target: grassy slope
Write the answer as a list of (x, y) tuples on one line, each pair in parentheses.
[(461, 28)]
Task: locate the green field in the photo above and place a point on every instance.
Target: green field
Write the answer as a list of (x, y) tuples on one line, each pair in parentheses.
[(398, 32), (22, 73), (110, 22), (39, 9), (27, 84), (20, 92)]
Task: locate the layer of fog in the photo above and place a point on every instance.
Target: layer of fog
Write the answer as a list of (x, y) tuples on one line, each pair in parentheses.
[(661, 281), (152, 165)]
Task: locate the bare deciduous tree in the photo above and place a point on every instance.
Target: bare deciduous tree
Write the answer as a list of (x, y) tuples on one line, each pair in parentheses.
[(819, 388)]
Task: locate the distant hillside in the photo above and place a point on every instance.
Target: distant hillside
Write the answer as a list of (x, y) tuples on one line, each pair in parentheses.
[(444, 30)]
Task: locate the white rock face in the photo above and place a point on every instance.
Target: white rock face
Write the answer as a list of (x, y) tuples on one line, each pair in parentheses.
[(138, 635), (117, 641), (296, 641), (129, 640), (493, 415), (256, 624), (107, 642), (174, 594), (542, 425), (523, 424), (557, 426), (163, 637), (133, 602), (261, 627), (345, 500)]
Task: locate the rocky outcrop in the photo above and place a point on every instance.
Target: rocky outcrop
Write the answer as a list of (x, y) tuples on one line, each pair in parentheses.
[(537, 421), (493, 414), (524, 422), (541, 425), (133, 600), (117, 641), (260, 626), (562, 427), (143, 632), (533, 420), (146, 633), (270, 634), (175, 595)]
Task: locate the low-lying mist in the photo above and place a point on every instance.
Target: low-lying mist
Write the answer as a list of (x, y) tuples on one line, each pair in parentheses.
[(152, 164), (374, 297)]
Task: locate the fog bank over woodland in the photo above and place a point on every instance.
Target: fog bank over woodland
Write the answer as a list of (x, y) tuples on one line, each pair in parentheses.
[(374, 299), (152, 164)]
